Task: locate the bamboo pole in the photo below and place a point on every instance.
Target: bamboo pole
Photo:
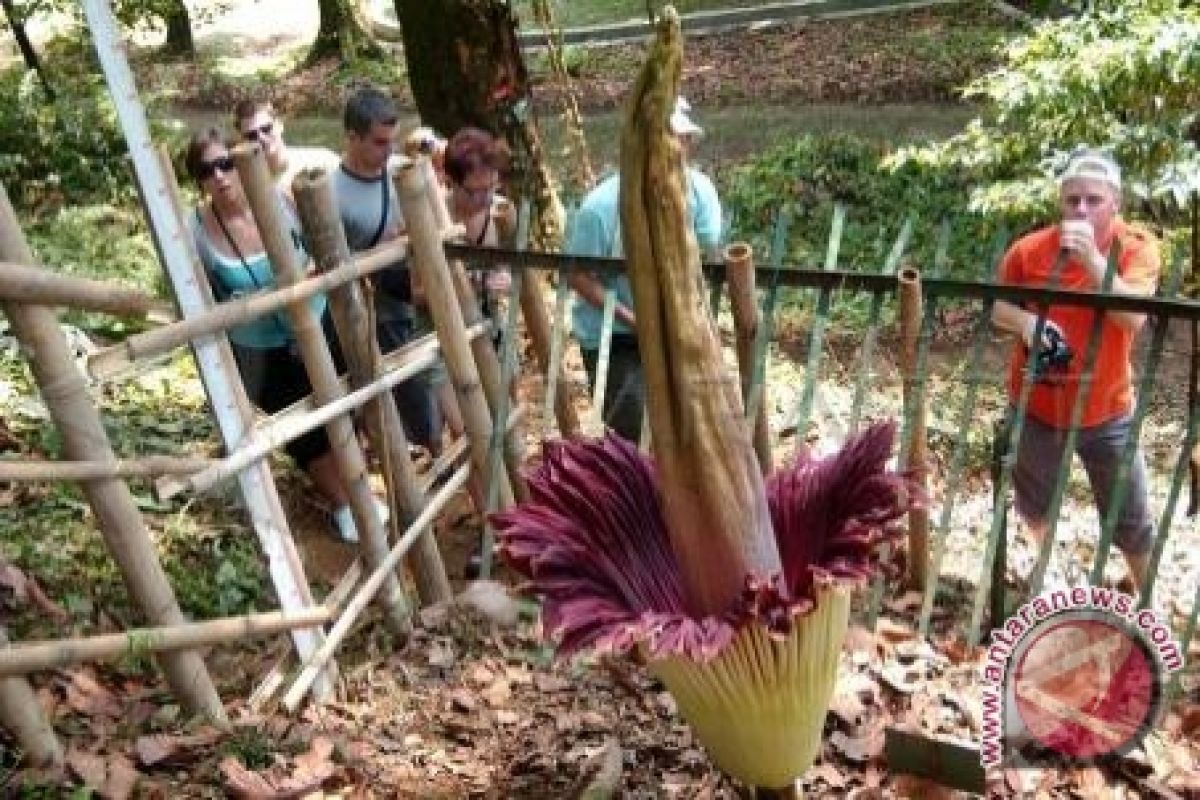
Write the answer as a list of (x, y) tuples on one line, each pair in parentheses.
[(146, 467), (29, 657), (36, 285), (85, 439), (322, 375), (214, 359), (739, 270), (327, 241), (486, 362), (291, 424), (537, 325), (909, 281), (235, 417), (367, 590), (114, 360), (429, 264), (22, 715)]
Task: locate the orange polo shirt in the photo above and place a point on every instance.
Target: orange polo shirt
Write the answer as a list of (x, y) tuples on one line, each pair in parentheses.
[(1029, 263)]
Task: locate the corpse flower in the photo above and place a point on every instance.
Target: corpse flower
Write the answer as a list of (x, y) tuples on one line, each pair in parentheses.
[(755, 680), (736, 589)]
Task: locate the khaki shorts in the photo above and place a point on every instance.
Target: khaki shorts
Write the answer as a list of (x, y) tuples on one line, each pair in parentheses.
[(1099, 448)]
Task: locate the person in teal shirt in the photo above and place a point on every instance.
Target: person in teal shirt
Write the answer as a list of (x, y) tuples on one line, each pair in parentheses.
[(595, 230)]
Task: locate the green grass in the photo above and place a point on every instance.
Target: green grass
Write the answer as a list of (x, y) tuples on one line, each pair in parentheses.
[(573, 13)]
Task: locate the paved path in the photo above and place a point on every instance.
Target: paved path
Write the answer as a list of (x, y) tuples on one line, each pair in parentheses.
[(381, 16)]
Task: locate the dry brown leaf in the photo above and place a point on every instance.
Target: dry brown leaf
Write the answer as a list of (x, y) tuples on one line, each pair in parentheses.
[(847, 707), (316, 760), (166, 750), (893, 632), (831, 775), (87, 767), (906, 604), (910, 786), (121, 780), (1189, 721), (899, 679), (87, 696), (247, 784), (1090, 782), (498, 693), (26, 589), (111, 777), (859, 749), (859, 640)]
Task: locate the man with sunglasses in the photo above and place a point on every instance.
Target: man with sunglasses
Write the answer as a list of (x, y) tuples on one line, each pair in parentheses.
[(256, 121), (1073, 254), (370, 212)]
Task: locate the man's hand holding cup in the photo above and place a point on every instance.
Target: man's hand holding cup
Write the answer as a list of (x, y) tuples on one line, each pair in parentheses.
[(1079, 239)]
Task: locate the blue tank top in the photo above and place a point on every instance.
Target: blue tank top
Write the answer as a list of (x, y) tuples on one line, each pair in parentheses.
[(232, 277)]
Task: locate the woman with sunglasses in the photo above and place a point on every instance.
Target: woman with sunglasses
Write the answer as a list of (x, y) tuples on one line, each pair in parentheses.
[(231, 248)]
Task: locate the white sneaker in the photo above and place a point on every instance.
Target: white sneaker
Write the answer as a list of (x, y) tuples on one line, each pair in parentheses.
[(343, 520), (343, 523)]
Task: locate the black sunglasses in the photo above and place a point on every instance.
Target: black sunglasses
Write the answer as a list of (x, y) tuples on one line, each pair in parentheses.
[(264, 130), (207, 169)]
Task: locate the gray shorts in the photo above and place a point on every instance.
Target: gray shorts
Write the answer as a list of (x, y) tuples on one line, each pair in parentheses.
[(1099, 447)]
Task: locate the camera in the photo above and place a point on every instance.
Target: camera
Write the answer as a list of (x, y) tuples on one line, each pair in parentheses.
[(1054, 358)]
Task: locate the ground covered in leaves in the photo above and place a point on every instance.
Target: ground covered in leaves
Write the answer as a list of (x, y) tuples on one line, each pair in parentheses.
[(474, 704), (902, 57)]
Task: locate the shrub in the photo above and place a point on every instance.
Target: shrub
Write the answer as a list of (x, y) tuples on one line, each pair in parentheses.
[(70, 151), (810, 175)]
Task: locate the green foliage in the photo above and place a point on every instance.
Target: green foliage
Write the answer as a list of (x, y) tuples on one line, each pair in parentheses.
[(70, 151), (213, 564), (810, 175), (133, 14), (251, 746), (1125, 75)]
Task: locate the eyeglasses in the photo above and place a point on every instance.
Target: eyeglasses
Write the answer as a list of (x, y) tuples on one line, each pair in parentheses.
[(263, 130), (207, 169)]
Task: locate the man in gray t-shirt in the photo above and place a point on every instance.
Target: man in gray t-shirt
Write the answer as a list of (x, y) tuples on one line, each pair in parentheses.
[(370, 214)]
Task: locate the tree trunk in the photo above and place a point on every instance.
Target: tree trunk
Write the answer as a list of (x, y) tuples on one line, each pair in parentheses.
[(179, 31), (339, 35), (28, 54), (465, 68)]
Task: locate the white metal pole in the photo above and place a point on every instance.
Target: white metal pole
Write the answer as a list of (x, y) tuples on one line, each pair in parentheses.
[(258, 487)]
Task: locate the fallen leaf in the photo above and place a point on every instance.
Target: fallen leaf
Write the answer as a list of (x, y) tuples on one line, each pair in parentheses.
[(165, 750), (271, 784), (87, 767), (859, 749), (121, 780), (900, 679), (463, 700), (859, 640), (846, 707), (315, 761), (906, 604), (26, 589), (498, 693), (893, 631), (831, 775), (911, 786), (87, 696), (1189, 721), (111, 777)]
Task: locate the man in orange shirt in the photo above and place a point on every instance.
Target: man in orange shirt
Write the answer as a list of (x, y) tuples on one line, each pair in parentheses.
[(1089, 201)]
